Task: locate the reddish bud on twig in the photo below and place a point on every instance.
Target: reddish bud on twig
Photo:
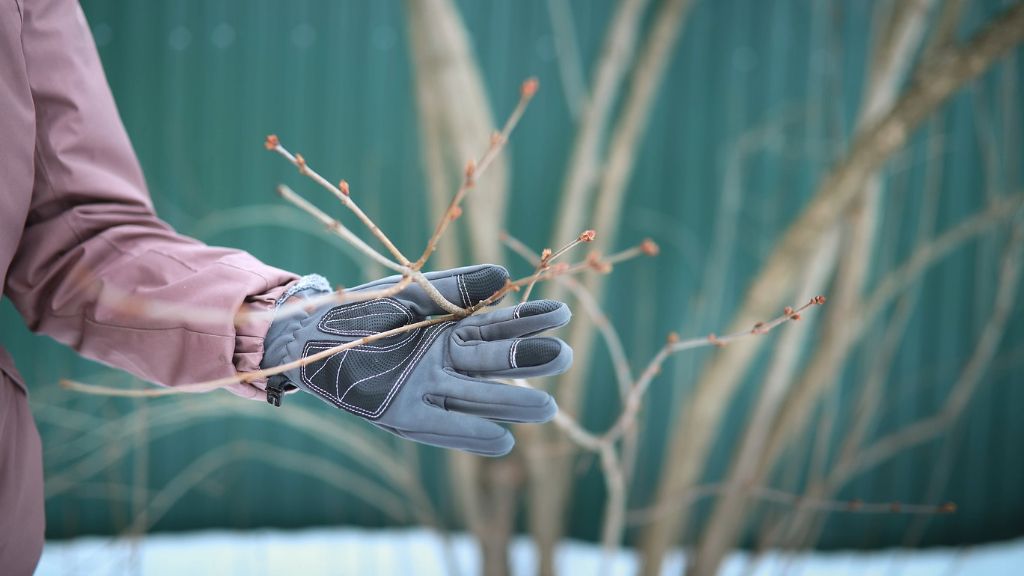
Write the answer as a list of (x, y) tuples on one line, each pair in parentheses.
[(545, 254), (343, 186), (672, 338), (271, 142), (714, 340), (595, 263), (587, 236), (529, 87), (948, 508), (794, 317), (788, 311), (819, 300), (497, 139), (560, 268), (649, 247), (854, 505), (510, 286), (503, 235), (470, 170), (758, 328), (300, 162), (454, 213)]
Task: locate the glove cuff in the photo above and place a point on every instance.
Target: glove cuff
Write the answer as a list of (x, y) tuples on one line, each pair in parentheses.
[(312, 282)]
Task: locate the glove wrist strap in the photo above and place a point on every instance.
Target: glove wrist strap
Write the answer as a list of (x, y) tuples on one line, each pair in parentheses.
[(277, 386)]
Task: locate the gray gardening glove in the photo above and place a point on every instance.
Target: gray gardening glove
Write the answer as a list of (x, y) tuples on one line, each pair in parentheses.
[(431, 384)]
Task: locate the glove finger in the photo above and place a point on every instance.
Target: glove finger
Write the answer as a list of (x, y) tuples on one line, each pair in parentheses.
[(518, 321), (492, 400), (512, 358), (463, 287), (460, 432)]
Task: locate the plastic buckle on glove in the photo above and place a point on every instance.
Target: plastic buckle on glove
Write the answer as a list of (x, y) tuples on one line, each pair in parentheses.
[(277, 385)]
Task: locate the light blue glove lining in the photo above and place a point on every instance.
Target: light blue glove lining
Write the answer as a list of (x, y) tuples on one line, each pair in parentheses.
[(314, 282)]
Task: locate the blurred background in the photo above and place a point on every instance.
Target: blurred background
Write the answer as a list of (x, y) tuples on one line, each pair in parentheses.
[(774, 150)]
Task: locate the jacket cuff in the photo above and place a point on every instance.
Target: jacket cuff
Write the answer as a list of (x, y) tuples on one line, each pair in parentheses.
[(256, 314)]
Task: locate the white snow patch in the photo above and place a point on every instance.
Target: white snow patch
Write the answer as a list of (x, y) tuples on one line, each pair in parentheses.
[(418, 551)]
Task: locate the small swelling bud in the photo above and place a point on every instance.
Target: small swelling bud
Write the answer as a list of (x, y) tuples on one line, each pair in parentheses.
[(454, 213), (343, 186), (595, 263), (300, 162), (587, 236), (271, 142), (672, 338), (649, 247), (529, 88), (470, 170)]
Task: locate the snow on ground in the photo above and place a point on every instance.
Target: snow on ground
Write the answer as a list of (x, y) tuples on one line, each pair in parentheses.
[(416, 551)]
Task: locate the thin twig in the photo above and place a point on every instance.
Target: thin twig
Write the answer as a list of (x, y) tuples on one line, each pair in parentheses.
[(620, 362), (782, 497), (547, 257), (719, 382), (474, 170), (960, 394), (336, 227), (340, 229), (673, 345), (567, 54), (341, 193), (209, 385)]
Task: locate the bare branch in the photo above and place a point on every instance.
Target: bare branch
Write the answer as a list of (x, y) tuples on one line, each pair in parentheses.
[(719, 381), (474, 170), (227, 454), (892, 285), (570, 65), (782, 497), (970, 378), (547, 257), (209, 385), (617, 352), (341, 192), (336, 227), (612, 67)]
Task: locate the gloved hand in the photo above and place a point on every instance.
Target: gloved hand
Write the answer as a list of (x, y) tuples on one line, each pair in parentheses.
[(431, 384)]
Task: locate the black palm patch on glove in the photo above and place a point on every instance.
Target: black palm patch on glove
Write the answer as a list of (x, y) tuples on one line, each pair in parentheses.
[(364, 379)]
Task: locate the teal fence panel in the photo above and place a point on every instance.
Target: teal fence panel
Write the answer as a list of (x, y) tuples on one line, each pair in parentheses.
[(200, 83)]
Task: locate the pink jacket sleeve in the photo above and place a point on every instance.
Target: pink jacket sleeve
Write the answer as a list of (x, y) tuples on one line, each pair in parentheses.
[(94, 267)]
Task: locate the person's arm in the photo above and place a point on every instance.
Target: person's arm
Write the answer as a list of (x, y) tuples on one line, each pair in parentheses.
[(95, 268)]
